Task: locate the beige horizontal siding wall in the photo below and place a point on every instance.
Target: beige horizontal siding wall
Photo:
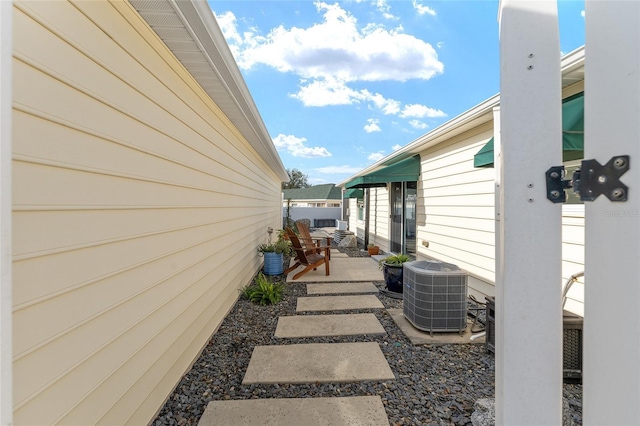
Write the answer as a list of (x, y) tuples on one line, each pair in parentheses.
[(573, 254), (138, 208), (455, 214), (352, 205), (379, 221)]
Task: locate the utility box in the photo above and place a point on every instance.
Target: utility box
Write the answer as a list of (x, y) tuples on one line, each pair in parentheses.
[(435, 296), (571, 340)]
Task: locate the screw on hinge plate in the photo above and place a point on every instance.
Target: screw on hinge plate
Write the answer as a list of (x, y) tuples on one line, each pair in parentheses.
[(596, 179), (590, 181), (555, 185)]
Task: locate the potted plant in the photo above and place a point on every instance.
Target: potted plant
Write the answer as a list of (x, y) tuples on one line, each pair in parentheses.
[(373, 249), (273, 259), (274, 255), (392, 270)]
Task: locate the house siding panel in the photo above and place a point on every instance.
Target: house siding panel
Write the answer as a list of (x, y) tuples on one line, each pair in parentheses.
[(459, 207), (573, 254), (137, 210), (379, 226)]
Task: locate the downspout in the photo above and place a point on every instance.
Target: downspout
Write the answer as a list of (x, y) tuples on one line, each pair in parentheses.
[(367, 200)]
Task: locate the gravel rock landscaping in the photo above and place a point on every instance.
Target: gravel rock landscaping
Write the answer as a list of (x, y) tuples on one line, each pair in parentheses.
[(435, 385)]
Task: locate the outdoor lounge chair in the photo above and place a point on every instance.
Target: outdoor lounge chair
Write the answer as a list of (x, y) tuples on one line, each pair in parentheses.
[(310, 259), (308, 241)]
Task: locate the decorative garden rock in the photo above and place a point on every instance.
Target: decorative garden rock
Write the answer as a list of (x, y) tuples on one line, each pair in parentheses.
[(349, 241)]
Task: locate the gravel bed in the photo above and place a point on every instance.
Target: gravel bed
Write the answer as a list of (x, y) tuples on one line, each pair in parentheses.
[(435, 385)]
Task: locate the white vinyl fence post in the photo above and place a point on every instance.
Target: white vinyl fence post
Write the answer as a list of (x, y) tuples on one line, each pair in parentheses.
[(6, 52), (528, 294), (611, 363)]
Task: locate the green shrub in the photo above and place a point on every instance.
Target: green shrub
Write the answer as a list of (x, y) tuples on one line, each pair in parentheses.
[(263, 291), (395, 259)]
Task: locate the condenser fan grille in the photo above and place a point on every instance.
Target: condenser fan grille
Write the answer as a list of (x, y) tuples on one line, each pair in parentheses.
[(435, 296)]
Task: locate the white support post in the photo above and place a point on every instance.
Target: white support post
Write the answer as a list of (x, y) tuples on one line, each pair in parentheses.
[(6, 52), (611, 363), (528, 294)]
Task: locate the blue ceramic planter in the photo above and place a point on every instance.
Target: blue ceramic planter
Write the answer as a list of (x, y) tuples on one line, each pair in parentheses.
[(273, 263)]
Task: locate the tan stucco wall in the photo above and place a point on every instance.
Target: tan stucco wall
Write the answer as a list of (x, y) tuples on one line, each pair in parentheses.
[(137, 211)]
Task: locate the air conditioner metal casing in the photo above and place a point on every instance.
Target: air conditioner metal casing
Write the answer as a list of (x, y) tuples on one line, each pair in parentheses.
[(435, 296)]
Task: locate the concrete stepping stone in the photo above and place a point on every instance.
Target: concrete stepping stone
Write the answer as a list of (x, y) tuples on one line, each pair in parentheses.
[(338, 303), (317, 362), (337, 288), (338, 253), (328, 325), (339, 411)]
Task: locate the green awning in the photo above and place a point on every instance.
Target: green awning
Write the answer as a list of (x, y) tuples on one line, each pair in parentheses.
[(572, 134), (354, 193), (407, 170), (484, 157)]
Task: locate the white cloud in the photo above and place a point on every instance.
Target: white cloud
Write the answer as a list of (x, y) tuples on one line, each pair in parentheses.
[(422, 9), (388, 106), (295, 146), (582, 13), (334, 52), (376, 156), (372, 125), (440, 44), (228, 25), (396, 147), (346, 170), (420, 111), (328, 92), (417, 124), (336, 48)]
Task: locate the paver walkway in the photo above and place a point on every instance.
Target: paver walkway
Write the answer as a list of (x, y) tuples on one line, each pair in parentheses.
[(315, 362), (352, 411), (338, 288), (328, 325), (338, 303)]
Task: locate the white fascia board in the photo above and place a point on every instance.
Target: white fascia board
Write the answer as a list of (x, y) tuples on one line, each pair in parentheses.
[(474, 117), (479, 114), (198, 20)]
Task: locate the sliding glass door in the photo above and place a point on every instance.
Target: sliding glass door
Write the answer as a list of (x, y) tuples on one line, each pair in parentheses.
[(403, 217)]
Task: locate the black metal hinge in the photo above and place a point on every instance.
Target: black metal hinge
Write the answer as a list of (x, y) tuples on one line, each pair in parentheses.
[(590, 181)]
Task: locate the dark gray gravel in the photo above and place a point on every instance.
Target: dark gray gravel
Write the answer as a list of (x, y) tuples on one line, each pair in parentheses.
[(435, 385)]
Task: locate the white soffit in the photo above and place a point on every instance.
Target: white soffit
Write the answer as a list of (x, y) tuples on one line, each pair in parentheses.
[(190, 31)]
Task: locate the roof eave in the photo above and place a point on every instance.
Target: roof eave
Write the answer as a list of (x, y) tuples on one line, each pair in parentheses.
[(224, 84)]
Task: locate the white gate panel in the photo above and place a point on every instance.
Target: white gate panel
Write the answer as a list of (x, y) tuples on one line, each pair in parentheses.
[(611, 367), (528, 297)]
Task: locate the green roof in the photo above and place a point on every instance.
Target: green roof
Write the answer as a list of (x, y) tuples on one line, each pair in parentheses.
[(318, 192)]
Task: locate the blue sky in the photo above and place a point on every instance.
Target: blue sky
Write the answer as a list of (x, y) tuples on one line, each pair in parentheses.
[(341, 85)]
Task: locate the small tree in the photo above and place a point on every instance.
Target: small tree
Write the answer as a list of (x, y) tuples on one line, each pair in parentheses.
[(297, 179)]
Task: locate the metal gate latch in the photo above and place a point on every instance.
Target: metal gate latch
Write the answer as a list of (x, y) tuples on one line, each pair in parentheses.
[(591, 180)]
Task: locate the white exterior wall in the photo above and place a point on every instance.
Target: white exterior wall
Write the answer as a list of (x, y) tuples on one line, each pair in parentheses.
[(573, 237), (379, 224), (458, 201), (137, 211), (353, 222)]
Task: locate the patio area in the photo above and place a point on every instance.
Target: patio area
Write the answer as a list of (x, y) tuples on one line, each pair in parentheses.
[(432, 383)]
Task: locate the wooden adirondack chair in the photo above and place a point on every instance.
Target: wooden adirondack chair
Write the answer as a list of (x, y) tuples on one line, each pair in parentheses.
[(311, 259), (308, 241)]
